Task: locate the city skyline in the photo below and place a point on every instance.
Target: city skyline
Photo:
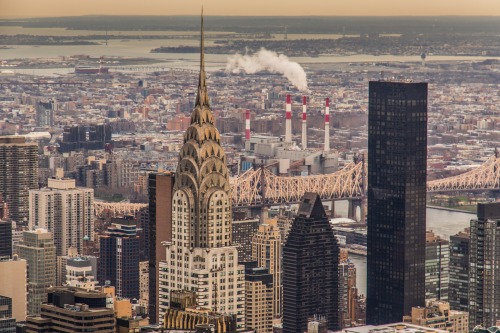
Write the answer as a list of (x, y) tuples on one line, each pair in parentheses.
[(52, 8)]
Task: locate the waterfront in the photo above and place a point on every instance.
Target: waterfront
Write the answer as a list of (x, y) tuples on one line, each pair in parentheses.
[(444, 223)]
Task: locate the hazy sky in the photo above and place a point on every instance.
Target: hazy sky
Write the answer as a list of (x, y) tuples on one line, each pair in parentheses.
[(36, 8)]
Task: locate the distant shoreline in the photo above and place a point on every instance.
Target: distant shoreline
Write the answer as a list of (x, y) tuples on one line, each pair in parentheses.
[(451, 209)]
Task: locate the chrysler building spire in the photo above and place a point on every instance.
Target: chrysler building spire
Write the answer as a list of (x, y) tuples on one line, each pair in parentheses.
[(202, 96)]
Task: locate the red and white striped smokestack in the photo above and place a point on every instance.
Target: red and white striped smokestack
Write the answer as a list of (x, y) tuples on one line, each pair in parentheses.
[(247, 125), (327, 125), (288, 122), (304, 122)]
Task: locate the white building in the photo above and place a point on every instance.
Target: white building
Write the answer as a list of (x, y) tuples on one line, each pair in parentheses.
[(65, 210)]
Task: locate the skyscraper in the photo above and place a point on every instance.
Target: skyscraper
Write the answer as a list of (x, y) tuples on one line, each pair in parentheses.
[(39, 251), (459, 271), (7, 322), (18, 174), (437, 277), (201, 256), (310, 269), (397, 157), (45, 113), (267, 250), (158, 230), (258, 298), (65, 210), (119, 258), (484, 266)]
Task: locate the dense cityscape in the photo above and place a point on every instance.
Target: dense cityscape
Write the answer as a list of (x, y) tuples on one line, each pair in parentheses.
[(217, 176)]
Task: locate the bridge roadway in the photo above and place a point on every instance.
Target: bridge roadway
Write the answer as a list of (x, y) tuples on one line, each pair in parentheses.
[(257, 187)]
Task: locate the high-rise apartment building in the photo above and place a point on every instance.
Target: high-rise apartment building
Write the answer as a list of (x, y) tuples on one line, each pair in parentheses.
[(347, 292), (397, 156), (158, 230), (39, 251), (201, 256), (45, 113), (243, 232), (73, 310), (267, 250), (18, 174), (459, 271), (484, 266), (258, 298), (437, 274), (13, 280), (65, 210), (5, 239), (310, 269), (119, 258)]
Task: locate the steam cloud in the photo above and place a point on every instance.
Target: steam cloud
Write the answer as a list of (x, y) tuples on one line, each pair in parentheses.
[(269, 61)]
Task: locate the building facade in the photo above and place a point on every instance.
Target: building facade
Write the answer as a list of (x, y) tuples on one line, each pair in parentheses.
[(484, 266), (243, 232), (201, 256), (39, 251), (65, 210), (437, 258), (13, 282), (45, 113), (18, 174), (397, 156), (459, 271), (5, 239), (267, 250), (119, 259), (158, 230), (438, 315), (7, 321), (258, 299), (73, 310), (310, 269)]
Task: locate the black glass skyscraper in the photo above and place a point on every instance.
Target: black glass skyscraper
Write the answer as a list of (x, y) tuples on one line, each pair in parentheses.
[(397, 158), (310, 269), (5, 239)]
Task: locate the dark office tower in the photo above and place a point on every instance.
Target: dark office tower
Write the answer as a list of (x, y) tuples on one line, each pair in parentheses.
[(484, 266), (397, 157), (437, 271), (45, 113), (5, 240), (310, 269), (18, 174), (119, 258), (459, 271), (159, 229)]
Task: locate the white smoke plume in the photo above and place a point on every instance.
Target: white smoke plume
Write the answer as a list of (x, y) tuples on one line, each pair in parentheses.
[(269, 61)]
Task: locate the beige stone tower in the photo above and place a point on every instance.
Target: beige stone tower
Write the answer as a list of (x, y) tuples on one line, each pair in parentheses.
[(200, 256)]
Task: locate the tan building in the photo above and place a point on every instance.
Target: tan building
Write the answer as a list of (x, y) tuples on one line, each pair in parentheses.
[(70, 309), (65, 210), (201, 255), (144, 283), (266, 250), (39, 251), (13, 279), (259, 299), (437, 314), (18, 174)]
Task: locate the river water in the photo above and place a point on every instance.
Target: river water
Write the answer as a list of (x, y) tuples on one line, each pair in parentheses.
[(444, 223)]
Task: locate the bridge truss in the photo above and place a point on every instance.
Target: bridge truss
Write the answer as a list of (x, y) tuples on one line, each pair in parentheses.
[(257, 187)]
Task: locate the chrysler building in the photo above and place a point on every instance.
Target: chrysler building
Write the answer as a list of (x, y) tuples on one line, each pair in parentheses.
[(200, 256)]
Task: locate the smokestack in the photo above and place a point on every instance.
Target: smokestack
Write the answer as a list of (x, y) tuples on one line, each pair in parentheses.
[(304, 122), (327, 125), (247, 125), (288, 123)]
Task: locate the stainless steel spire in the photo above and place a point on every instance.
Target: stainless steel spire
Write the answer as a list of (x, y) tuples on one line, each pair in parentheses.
[(202, 96)]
